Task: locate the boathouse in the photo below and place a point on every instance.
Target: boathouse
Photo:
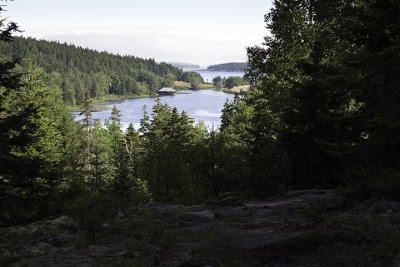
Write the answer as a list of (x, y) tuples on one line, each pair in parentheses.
[(166, 91)]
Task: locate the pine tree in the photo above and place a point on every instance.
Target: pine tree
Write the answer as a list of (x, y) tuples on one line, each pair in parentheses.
[(34, 126), (302, 91), (91, 190), (374, 68), (123, 185), (9, 79)]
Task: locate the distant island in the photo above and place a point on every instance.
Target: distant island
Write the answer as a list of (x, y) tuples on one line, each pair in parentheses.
[(183, 65), (232, 66)]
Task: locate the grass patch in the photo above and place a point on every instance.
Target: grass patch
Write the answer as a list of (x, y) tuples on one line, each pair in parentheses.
[(179, 85), (182, 85), (206, 86), (238, 89)]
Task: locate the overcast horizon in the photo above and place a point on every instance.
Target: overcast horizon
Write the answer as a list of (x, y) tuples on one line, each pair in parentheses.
[(202, 33)]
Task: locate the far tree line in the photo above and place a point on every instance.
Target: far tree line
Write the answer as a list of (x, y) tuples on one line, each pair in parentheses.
[(73, 70), (232, 66), (230, 82)]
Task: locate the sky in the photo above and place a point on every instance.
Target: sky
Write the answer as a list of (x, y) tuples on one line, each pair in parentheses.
[(201, 32)]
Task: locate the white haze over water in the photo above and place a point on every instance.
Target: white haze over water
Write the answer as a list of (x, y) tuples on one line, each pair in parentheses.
[(202, 32), (204, 46)]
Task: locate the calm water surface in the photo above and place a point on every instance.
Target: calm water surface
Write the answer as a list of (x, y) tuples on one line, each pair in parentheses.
[(208, 75), (202, 105)]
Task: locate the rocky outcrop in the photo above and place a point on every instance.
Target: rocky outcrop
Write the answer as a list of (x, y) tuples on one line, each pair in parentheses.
[(385, 206), (292, 230), (317, 199), (230, 202)]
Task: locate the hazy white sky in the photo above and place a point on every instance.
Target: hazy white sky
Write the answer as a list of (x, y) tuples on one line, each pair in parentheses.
[(194, 31)]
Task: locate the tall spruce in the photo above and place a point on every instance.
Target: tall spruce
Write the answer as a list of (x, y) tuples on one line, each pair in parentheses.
[(302, 90), (92, 205)]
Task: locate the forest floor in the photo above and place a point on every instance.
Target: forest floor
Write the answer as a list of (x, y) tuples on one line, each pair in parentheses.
[(302, 228)]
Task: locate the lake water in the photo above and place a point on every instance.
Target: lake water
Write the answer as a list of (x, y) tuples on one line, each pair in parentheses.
[(201, 105), (208, 76)]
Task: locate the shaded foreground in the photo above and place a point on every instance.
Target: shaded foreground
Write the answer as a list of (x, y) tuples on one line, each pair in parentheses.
[(302, 228)]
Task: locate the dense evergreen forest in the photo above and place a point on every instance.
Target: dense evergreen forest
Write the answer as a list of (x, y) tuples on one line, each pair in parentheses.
[(323, 112), (233, 66), (75, 69)]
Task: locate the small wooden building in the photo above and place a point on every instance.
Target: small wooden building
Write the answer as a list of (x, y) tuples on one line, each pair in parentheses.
[(166, 91)]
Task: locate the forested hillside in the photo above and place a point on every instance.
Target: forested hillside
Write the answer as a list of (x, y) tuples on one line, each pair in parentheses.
[(75, 69), (233, 66)]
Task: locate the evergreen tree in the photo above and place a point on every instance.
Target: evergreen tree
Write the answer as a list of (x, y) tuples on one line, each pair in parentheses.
[(168, 140), (75, 69), (34, 127), (325, 92), (372, 69), (299, 74), (217, 81), (144, 122), (91, 189), (127, 188), (9, 79)]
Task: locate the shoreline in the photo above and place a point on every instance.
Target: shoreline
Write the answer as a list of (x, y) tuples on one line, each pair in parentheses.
[(103, 101), (113, 98)]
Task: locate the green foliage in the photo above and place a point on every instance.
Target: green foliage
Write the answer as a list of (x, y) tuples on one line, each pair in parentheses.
[(168, 139), (234, 124), (230, 82), (8, 78), (193, 78), (106, 179), (328, 103), (269, 165), (233, 66), (34, 126), (233, 81), (218, 82), (127, 187), (75, 70)]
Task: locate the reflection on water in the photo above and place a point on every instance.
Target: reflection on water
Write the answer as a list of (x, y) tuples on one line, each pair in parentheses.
[(208, 75), (205, 113)]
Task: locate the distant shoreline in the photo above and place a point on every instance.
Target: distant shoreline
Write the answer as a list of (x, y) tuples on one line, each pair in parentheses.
[(229, 67), (212, 70)]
